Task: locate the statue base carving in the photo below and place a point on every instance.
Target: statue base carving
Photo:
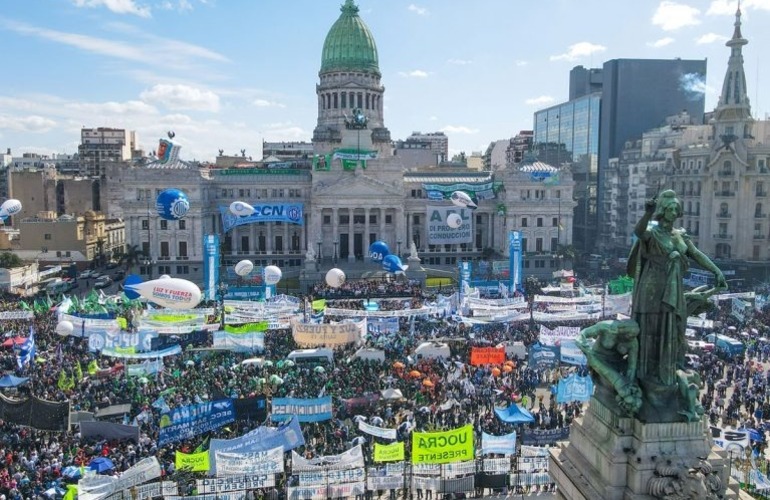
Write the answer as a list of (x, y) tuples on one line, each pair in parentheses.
[(613, 457)]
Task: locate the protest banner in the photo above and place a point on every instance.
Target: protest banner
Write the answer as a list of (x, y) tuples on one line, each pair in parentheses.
[(443, 447), (487, 356), (388, 452), (194, 462)]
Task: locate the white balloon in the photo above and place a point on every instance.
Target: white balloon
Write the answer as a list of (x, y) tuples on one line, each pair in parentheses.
[(174, 293), (10, 207), (244, 267), (241, 208), (335, 278), (164, 277), (65, 328), (454, 221), (461, 199), (272, 275)]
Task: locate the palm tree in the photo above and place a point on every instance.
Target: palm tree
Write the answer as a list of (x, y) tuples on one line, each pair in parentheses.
[(132, 257)]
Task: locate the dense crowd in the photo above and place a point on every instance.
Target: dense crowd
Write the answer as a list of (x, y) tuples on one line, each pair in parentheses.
[(445, 394)]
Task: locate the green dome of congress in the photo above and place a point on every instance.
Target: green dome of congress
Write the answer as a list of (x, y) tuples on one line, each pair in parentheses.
[(349, 46)]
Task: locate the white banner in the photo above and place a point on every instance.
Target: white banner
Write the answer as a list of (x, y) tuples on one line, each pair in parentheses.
[(497, 465), (376, 431), (16, 315), (98, 487), (385, 482), (235, 483), (439, 232), (260, 462), (550, 337), (147, 491), (312, 478), (350, 459), (457, 469)]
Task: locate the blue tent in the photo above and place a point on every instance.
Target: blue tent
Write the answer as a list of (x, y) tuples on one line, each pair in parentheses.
[(101, 464), (12, 381), (514, 415)]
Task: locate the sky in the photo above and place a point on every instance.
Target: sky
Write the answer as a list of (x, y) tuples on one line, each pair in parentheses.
[(228, 74)]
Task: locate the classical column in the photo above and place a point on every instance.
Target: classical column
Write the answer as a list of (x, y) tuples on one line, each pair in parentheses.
[(381, 229), (366, 233), (286, 240), (335, 228), (351, 237), (269, 246)]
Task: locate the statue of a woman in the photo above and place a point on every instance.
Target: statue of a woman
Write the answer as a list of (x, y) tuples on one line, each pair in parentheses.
[(658, 262)]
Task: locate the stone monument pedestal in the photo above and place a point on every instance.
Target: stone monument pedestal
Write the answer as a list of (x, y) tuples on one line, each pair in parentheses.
[(611, 457)]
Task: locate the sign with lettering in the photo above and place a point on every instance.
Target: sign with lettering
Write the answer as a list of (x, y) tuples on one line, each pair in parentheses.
[(440, 233), (235, 483), (192, 420), (306, 410), (443, 447), (389, 452), (487, 356), (271, 212), (260, 462), (326, 334)]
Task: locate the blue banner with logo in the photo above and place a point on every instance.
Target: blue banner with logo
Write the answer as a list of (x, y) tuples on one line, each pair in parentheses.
[(290, 213), (382, 326), (574, 388), (210, 266), (571, 353), (306, 410), (189, 421), (465, 278), (541, 437), (515, 261), (543, 356), (288, 435), (135, 342)]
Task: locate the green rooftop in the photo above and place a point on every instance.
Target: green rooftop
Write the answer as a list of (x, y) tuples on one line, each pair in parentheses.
[(349, 45)]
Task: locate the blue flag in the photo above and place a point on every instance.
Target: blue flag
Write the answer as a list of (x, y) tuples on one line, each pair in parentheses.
[(27, 351)]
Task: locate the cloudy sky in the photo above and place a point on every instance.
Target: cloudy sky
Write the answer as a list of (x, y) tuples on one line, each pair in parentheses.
[(229, 73)]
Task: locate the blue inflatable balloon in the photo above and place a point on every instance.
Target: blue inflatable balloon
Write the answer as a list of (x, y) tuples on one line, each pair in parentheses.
[(392, 264), (378, 251), (172, 204)]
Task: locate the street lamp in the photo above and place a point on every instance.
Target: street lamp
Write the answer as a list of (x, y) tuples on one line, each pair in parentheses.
[(221, 293), (398, 248), (318, 256), (149, 264), (336, 242)]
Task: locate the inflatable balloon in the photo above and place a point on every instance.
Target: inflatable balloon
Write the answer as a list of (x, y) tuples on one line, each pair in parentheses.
[(65, 328), (378, 251), (172, 204), (10, 207), (454, 221), (174, 293), (244, 267), (272, 275), (163, 277), (335, 278), (461, 199), (392, 264), (241, 208)]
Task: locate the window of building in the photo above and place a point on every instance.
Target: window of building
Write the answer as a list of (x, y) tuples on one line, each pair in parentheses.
[(183, 269), (554, 244), (524, 245), (145, 249), (164, 269), (523, 222), (373, 219), (555, 221), (182, 224), (163, 224), (47, 236), (539, 222), (164, 249), (182, 249), (479, 219), (538, 244), (416, 219), (244, 243), (388, 219), (761, 188), (145, 224), (344, 219), (327, 219)]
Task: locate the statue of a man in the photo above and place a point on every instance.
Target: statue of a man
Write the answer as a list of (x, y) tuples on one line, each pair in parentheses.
[(310, 254)]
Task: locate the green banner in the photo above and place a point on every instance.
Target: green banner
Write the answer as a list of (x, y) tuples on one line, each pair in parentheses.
[(319, 304), (389, 452), (443, 447), (259, 326), (195, 462)]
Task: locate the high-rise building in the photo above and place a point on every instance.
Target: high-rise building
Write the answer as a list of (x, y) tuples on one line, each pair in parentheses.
[(517, 146), (102, 145), (635, 95)]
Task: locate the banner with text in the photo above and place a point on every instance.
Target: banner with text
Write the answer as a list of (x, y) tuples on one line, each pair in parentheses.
[(326, 334), (505, 444), (189, 421), (193, 462), (487, 356), (440, 233), (443, 447), (350, 459), (290, 213), (259, 462), (389, 452), (306, 410)]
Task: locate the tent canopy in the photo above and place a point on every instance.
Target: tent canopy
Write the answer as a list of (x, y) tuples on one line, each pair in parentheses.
[(12, 381), (514, 415), (12, 341), (392, 394)]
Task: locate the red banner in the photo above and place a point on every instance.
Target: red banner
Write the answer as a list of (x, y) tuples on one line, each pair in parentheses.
[(487, 356)]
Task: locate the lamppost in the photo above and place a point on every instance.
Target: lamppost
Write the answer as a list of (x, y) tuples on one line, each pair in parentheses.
[(398, 248), (221, 293), (336, 242), (149, 264), (318, 255)]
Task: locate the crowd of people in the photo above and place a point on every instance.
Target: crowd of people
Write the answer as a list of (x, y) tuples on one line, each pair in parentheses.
[(446, 392)]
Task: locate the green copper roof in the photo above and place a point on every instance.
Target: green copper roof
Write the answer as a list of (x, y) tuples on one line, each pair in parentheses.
[(349, 46)]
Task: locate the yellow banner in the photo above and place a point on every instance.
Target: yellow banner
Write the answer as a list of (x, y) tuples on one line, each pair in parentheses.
[(319, 305), (443, 447), (388, 452), (196, 462)]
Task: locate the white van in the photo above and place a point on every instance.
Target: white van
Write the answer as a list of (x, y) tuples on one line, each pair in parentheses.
[(370, 354), (432, 350), (312, 356)]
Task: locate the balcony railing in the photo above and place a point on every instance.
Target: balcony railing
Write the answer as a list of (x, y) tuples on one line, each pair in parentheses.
[(723, 236), (761, 194), (759, 236), (724, 193), (759, 216), (726, 173), (723, 215)]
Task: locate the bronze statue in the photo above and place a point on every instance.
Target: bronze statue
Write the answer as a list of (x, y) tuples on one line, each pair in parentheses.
[(658, 262)]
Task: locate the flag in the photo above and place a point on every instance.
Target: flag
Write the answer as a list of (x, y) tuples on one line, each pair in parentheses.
[(317, 317), (78, 372), (93, 367), (72, 492), (27, 351), (319, 305), (204, 446)]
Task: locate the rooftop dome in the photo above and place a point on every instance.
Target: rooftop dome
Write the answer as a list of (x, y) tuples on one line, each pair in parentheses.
[(349, 46)]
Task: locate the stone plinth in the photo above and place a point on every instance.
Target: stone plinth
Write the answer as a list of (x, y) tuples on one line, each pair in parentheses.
[(611, 457)]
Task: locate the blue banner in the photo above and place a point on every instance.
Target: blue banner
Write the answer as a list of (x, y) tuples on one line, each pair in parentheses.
[(306, 410), (210, 266), (541, 437), (515, 261), (543, 356), (382, 326), (465, 278), (290, 213), (571, 353), (169, 351), (245, 293), (239, 342), (189, 421), (505, 444), (574, 388), (289, 435)]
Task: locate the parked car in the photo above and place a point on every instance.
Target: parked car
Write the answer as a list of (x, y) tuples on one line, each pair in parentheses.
[(103, 282), (112, 265), (86, 274), (119, 275)]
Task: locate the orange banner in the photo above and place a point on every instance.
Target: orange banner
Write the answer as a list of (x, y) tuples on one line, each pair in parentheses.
[(487, 356)]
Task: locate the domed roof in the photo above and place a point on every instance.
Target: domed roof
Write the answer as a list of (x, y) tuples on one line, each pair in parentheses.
[(349, 45)]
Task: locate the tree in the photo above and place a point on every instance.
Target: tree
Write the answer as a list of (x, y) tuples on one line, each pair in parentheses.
[(132, 257), (10, 260)]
